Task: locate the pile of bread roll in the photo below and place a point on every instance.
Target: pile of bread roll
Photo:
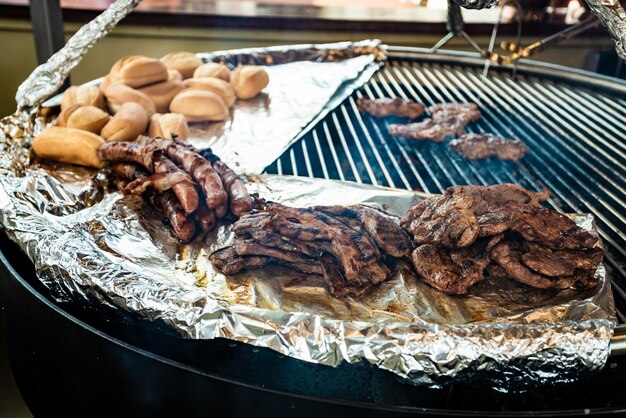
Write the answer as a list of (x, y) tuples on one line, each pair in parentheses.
[(145, 95)]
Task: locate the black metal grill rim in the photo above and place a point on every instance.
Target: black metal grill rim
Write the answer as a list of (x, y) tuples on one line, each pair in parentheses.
[(571, 120)]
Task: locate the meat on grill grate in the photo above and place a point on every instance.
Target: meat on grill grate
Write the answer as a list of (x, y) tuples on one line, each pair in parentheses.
[(384, 107), (532, 244), (485, 145), (447, 119), (346, 245)]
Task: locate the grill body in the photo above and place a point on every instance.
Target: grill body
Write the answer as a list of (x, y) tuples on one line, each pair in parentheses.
[(69, 357), (574, 124)]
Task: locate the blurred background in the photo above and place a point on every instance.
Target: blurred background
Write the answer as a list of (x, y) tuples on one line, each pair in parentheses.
[(161, 26)]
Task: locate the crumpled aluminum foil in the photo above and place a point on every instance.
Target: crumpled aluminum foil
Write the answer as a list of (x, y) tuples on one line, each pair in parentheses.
[(118, 252), (86, 241)]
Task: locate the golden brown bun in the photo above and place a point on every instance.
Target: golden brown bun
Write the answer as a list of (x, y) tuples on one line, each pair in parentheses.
[(212, 69), (118, 94), (174, 75), (215, 85), (199, 105), (82, 95), (138, 71), (168, 125), (68, 145), (130, 121), (87, 118), (183, 61), (162, 93), (249, 80), (104, 84)]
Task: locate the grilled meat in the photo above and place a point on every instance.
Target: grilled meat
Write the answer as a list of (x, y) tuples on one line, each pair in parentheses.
[(385, 232), (345, 245), (452, 271), (384, 107), (448, 119), (508, 255), (555, 263), (228, 262), (459, 113), (484, 145), (442, 220), (544, 248), (167, 201), (239, 199)]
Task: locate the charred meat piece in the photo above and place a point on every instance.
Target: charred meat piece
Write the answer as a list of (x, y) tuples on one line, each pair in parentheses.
[(555, 263), (453, 271), (484, 145), (448, 119), (384, 107), (183, 227), (426, 130), (385, 232), (149, 155), (444, 221), (192, 162), (497, 194), (461, 113), (228, 262), (338, 285), (508, 255), (239, 199), (328, 241)]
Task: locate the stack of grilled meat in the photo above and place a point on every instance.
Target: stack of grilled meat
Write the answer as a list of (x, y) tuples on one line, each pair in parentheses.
[(349, 246), (192, 188), (503, 230)]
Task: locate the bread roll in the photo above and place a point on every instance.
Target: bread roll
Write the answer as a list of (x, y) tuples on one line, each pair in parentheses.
[(82, 95), (86, 118), (169, 125), (130, 121), (118, 94), (104, 84), (138, 71), (199, 105), (212, 69), (162, 93), (215, 85), (249, 80), (68, 145), (183, 61), (174, 75)]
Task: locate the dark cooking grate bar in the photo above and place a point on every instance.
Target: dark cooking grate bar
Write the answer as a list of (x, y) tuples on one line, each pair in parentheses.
[(574, 133)]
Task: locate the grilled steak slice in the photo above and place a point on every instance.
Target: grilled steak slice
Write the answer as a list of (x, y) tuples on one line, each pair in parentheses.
[(228, 262), (351, 248), (555, 263), (508, 254), (426, 130), (338, 285), (497, 194), (484, 145), (390, 107), (251, 247), (448, 119), (453, 271), (385, 232), (441, 220), (461, 113)]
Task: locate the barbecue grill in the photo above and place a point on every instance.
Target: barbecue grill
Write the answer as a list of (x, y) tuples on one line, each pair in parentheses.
[(82, 354)]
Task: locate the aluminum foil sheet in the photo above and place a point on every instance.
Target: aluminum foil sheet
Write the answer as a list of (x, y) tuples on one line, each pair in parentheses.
[(117, 251)]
